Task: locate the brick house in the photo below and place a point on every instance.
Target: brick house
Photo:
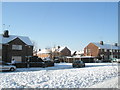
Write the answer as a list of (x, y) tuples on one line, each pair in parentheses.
[(17, 47), (102, 51), (44, 53), (54, 52), (61, 51)]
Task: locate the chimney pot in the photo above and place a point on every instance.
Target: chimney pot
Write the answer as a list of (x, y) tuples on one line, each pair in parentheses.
[(58, 47), (6, 33), (116, 44), (101, 42)]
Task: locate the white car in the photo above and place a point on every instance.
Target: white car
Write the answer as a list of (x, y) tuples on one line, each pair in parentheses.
[(118, 60), (6, 67)]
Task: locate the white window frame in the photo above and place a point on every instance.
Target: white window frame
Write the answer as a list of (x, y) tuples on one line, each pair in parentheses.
[(16, 47), (117, 50), (111, 50), (105, 50)]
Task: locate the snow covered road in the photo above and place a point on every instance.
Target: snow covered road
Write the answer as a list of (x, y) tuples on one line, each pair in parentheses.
[(62, 75)]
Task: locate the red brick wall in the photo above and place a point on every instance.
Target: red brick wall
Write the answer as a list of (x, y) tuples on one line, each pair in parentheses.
[(92, 50), (43, 55), (65, 52)]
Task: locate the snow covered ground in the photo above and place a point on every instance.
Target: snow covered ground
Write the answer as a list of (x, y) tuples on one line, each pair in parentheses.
[(62, 75)]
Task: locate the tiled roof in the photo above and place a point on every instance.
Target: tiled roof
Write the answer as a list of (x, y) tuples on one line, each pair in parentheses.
[(58, 49), (5, 40), (44, 51), (106, 46)]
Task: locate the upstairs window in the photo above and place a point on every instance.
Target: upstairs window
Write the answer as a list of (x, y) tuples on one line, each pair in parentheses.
[(111, 50), (16, 47), (105, 50)]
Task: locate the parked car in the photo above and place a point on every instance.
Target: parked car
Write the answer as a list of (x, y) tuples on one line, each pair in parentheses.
[(6, 67), (49, 63), (78, 64), (37, 64), (118, 60), (56, 61), (115, 60)]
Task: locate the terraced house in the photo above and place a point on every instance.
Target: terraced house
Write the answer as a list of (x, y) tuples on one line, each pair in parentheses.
[(15, 47), (102, 51)]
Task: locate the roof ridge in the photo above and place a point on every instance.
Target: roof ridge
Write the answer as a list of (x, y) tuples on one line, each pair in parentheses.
[(25, 39), (106, 46)]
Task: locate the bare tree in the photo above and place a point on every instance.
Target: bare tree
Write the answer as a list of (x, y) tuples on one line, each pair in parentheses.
[(35, 47)]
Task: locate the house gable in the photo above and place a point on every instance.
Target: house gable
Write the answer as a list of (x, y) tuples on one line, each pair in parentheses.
[(25, 39), (91, 50), (17, 41), (9, 52), (65, 52)]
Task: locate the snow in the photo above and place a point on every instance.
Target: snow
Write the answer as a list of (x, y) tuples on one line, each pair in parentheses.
[(110, 83), (45, 51), (58, 49), (62, 75), (80, 52), (12, 37), (72, 52), (107, 46), (61, 48)]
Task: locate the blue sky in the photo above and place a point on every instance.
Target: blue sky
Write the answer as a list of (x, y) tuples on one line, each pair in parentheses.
[(66, 24)]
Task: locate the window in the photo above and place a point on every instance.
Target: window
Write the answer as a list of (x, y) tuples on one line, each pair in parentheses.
[(89, 50), (17, 58), (16, 47), (113, 50), (110, 50), (105, 50), (100, 50)]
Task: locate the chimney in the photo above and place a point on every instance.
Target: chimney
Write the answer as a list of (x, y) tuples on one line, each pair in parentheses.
[(58, 47), (116, 44), (6, 33), (101, 42)]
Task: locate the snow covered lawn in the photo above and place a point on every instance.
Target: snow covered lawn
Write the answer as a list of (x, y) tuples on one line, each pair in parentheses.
[(62, 75)]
